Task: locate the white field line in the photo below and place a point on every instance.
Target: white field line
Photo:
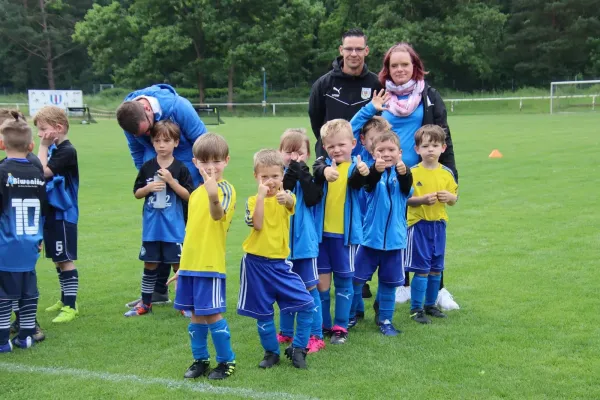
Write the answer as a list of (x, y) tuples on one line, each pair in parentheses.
[(197, 387)]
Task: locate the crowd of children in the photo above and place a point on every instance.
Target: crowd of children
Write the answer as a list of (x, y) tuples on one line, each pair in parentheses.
[(353, 216)]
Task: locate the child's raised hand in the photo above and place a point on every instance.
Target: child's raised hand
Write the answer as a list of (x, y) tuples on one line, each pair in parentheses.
[(302, 157), (210, 184), (47, 139), (429, 199), (444, 196), (263, 189), (165, 175), (173, 278), (362, 167), (282, 196), (379, 99), (400, 167), (331, 173), (379, 162)]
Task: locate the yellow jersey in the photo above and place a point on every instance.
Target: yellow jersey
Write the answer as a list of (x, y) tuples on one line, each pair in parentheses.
[(272, 241), (335, 200), (203, 251), (427, 181)]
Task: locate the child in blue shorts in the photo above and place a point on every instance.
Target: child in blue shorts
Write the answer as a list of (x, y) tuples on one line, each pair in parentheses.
[(163, 224), (435, 187), (201, 275), (304, 245), (339, 223), (22, 207), (388, 188), (265, 273)]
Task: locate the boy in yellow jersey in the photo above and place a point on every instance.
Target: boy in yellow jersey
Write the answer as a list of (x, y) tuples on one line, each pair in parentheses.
[(201, 274), (435, 187), (339, 222), (265, 274)]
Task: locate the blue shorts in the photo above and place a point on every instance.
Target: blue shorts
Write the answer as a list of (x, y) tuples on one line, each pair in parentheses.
[(18, 285), (335, 257), (160, 252), (390, 272), (307, 269), (425, 247), (60, 240), (203, 295), (264, 281)]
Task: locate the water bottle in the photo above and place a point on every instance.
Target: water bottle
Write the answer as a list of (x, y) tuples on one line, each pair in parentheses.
[(160, 198)]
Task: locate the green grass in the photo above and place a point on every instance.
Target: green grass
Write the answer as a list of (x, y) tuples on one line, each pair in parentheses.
[(522, 258)]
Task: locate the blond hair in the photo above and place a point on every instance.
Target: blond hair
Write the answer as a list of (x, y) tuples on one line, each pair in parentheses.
[(292, 140), (435, 133), (377, 124), (336, 127), (16, 134), (386, 136), (268, 158), (7, 113), (53, 116), (210, 147)]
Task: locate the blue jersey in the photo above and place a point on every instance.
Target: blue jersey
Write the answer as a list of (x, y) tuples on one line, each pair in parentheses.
[(62, 161), (163, 224), (22, 206)]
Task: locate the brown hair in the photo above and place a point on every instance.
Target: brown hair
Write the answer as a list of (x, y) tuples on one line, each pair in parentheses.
[(129, 116), (418, 68), (167, 129), (268, 158), (16, 134), (6, 113), (334, 127), (53, 116), (210, 147), (386, 136), (377, 123), (435, 133), (292, 140)]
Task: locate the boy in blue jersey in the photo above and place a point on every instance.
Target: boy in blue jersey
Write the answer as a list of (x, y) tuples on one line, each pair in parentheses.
[(62, 184), (384, 230), (163, 227), (22, 206), (201, 274), (265, 274), (435, 186), (339, 222), (304, 245)]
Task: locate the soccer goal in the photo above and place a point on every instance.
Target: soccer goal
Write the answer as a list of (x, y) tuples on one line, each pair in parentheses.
[(574, 96), (209, 115), (80, 114)]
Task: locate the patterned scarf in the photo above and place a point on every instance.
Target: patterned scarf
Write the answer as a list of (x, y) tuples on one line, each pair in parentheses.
[(404, 107)]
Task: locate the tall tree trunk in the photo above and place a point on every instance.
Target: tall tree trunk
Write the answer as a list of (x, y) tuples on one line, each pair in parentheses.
[(230, 88), (48, 54), (201, 87)]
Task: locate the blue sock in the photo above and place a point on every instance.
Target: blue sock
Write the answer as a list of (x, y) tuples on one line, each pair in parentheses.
[(360, 307), (268, 337), (219, 331), (326, 308), (71, 287), (433, 287), (418, 285), (317, 324), (387, 301), (198, 340), (343, 300), (303, 323), (356, 300), (148, 281), (286, 323)]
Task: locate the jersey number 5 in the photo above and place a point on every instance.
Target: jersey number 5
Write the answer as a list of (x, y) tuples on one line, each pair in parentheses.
[(22, 212)]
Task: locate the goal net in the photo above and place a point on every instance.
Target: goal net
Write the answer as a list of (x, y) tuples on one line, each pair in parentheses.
[(574, 96)]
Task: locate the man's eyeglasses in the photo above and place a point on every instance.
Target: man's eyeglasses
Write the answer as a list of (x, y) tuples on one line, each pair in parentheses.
[(351, 50), (149, 127)]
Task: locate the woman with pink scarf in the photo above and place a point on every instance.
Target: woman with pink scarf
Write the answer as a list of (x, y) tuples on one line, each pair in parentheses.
[(409, 104)]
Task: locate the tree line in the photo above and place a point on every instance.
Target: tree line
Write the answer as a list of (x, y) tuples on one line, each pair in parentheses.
[(466, 45)]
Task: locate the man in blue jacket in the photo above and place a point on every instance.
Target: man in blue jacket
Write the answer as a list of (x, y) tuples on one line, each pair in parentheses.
[(137, 115)]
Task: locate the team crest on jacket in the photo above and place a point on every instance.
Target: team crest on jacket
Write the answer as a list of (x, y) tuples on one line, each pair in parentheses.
[(365, 93)]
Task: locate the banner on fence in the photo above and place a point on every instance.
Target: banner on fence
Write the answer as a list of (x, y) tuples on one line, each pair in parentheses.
[(60, 98)]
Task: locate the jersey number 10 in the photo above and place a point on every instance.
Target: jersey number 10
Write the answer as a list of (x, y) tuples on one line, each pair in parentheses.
[(22, 207)]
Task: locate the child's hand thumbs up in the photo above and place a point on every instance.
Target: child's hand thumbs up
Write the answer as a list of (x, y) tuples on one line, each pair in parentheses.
[(362, 167), (401, 168), (282, 196), (379, 162), (331, 173)]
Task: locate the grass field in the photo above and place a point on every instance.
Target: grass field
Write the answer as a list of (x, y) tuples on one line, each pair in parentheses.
[(522, 261)]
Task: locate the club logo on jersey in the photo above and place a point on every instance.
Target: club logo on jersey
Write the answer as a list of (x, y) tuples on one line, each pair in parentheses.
[(419, 183), (14, 181), (338, 92), (365, 93)]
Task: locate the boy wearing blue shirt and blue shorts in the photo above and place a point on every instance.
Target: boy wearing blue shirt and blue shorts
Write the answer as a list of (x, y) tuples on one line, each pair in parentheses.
[(265, 274), (163, 225), (388, 188), (435, 186), (22, 206)]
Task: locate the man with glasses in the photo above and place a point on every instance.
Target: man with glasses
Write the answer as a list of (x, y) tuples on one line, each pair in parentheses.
[(137, 115), (341, 92)]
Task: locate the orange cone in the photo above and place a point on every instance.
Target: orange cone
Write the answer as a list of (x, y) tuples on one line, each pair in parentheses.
[(495, 154)]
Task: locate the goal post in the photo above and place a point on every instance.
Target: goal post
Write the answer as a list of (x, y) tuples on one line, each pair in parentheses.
[(574, 96)]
